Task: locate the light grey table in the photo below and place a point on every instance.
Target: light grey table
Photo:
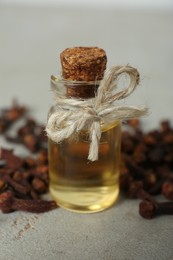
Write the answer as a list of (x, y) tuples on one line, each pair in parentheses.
[(31, 39)]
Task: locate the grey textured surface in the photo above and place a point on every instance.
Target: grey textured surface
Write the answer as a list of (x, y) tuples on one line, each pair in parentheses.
[(118, 233), (31, 39)]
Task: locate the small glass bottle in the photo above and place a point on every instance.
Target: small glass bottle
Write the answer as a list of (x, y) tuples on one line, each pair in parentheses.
[(76, 183)]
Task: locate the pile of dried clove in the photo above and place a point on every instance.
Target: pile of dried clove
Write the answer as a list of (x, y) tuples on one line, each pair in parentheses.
[(23, 180), (146, 168)]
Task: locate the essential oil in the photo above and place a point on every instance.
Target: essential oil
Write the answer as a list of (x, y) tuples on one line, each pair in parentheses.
[(82, 185)]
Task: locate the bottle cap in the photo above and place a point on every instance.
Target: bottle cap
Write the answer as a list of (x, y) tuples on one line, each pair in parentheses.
[(83, 63)]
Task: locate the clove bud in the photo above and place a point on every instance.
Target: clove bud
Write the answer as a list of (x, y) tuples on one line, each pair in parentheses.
[(9, 203), (149, 209)]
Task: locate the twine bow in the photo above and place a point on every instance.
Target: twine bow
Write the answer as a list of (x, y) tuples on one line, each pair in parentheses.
[(71, 116)]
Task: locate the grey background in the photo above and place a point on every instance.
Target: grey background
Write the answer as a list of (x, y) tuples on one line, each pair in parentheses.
[(31, 38)]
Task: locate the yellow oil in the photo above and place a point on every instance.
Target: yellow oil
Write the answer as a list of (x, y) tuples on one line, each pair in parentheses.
[(80, 185)]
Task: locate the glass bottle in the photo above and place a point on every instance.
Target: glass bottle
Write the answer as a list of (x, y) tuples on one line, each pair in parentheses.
[(76, 183)]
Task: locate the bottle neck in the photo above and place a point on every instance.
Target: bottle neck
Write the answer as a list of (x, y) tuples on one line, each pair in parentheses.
[(82, 90), (75, 89)]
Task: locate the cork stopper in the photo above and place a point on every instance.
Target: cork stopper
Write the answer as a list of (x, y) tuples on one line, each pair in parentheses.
[(83, 63)]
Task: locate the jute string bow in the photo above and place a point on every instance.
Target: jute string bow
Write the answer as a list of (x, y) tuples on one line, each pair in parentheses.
[(71, 116)]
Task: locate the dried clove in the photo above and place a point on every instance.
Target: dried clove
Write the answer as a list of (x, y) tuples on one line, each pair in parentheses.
[(167, 189), (165, 126), (149, 209), (134, 189), (39, 185), (9, 203), (31, 135), (136, 171), (23, 189), (2, 185), (12, 161), (8, 116)]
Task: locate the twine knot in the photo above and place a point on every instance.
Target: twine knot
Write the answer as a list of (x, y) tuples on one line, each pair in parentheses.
[(70, 116)]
